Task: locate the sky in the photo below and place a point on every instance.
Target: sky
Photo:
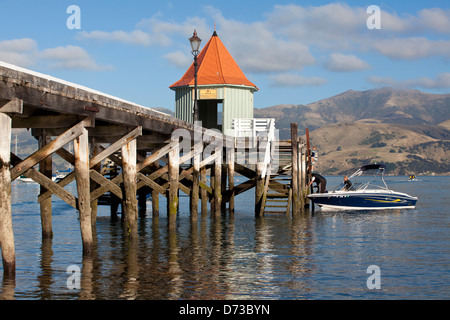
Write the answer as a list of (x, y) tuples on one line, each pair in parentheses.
[(296, 52)]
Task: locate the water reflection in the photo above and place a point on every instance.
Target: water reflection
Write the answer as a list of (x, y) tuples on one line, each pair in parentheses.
[(213, 258), (324, 255)]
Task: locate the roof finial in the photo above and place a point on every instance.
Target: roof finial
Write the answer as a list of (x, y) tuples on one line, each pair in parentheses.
[(215, 33)]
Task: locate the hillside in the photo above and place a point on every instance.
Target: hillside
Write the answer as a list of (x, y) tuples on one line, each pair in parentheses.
[(405, 149), (407, 129)]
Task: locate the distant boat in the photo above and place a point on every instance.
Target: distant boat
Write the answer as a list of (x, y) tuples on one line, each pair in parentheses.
[(56, 178), (412, 177), (364, 196), (25, 179)]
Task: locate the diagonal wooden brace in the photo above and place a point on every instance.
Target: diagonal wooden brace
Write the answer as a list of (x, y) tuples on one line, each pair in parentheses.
[(50, 148), (48, 184)]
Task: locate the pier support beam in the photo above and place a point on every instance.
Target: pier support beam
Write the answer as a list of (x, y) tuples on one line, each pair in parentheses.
[(130, 189), (81, 150), (230, 160), (295, 171), (95, 150), (172, 192), (218, 183), (195, 184), (6, 227), (259, 190), (45, 167), (155, 193), (203, 192)]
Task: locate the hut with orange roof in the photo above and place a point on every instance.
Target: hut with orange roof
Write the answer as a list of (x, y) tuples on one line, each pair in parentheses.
[(223, 91)]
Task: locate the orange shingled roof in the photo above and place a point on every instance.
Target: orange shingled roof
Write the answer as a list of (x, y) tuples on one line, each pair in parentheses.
[(215, 66)]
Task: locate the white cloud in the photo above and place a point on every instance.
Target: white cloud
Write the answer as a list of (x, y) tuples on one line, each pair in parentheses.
[(25, 53), (70, 57), (435, 19), (259, 49), (179, 59), (136, 37), (339, 27), (344, 63), (412, 48), (442, 81), (295, 80), (19, 52), (151, 31)]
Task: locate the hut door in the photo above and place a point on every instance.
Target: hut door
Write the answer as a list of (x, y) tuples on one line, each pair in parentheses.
[(209, 114)]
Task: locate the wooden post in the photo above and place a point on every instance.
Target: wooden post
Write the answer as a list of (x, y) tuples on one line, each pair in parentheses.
[(95, 150), (130, 189), (203, 192), (213, 186), (155, 194), (142, 193), (303, 183), (259, 189), (45, 167), (230, 158), (295, 176), (115, 201), (217, 183), (81, 150), (195, 183), (223, 186), (172, 192), (308, 157), (6, 227)]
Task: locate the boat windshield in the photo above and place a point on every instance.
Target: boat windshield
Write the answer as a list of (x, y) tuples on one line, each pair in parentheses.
[(369, 176)]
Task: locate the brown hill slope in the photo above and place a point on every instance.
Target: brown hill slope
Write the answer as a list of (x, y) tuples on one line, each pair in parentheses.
[(345, 146), (408, 129), (385, 105)]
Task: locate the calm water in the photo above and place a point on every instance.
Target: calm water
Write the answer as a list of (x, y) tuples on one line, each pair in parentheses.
[(320, 256)]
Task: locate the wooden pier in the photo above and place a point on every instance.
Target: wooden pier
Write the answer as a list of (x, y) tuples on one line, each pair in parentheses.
[(122, 152)]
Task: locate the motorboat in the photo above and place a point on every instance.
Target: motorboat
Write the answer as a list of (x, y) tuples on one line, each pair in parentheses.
[(370, 194)]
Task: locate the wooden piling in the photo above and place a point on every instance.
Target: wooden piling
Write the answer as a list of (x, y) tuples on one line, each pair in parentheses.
[(259, 190), (230, 157), (195, 181), (217, 182), (172, 191), (223, 186), (302, 176), (81, 150), (6, 227), (45, 167), (130, 190), (203, 192), (155, 194), (95, 150), (295, 175)]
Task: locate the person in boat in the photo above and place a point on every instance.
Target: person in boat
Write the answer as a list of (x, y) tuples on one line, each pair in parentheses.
[(321, 182), (347, 183)]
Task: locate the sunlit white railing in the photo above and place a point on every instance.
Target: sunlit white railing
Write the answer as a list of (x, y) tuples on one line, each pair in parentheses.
[(262, 134)]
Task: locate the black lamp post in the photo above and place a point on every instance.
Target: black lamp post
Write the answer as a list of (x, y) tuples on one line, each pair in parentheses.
[(195, 45)]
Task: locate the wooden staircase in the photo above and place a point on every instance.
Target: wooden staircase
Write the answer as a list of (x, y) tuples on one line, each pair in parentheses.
[(278, 197)]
